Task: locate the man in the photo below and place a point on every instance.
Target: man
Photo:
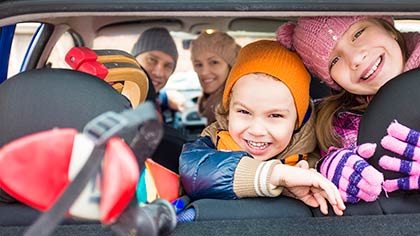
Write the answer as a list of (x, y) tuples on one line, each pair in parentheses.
[(156, 52)]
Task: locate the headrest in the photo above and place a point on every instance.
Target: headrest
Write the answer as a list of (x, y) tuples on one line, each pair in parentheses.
[(397, 100), (42, 99), (120, 69)]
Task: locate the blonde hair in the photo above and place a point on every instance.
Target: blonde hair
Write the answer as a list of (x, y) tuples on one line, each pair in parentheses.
[(330, 106)]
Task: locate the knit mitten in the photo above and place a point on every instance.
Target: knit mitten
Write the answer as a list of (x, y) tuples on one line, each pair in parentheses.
[(354, 177), (405, 142)]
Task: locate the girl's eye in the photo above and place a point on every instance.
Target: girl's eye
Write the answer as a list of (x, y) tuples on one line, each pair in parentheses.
[(197, 65), (334, 61), (358, 33)]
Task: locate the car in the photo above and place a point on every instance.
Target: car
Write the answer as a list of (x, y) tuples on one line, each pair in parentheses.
[(39, 34)]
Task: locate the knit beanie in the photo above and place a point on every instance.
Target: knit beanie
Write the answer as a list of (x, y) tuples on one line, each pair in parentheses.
[(269, 57), (314, 38), (158, 39), (219, 43)]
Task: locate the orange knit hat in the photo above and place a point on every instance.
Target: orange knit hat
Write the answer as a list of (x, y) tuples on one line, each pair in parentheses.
[(269, 57)]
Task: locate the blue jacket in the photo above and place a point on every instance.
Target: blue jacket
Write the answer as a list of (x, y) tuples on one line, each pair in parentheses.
[(206, 172)]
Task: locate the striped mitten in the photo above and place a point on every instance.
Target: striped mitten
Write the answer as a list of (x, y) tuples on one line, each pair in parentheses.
[(405, 142), (354, 177)]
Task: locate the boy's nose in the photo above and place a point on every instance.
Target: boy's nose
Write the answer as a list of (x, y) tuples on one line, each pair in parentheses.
[(257, 128)]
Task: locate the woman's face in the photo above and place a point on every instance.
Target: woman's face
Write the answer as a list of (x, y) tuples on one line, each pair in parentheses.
[(365, 58), (262, 115), (212, 71)]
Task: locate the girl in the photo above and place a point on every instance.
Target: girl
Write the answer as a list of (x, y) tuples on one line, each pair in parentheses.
[(355, 56), (265, 119), (212, 55)]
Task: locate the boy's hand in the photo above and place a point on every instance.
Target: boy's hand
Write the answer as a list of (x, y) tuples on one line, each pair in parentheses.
[(355, 178), (308, 186), (405, 142)]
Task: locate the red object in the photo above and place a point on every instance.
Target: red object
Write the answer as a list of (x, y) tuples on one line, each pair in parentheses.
[(119, 180), (79, 55), (94, 68), (33, 169), (166, 181)]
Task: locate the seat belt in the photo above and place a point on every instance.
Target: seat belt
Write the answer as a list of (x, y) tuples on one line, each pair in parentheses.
[(99, 130)]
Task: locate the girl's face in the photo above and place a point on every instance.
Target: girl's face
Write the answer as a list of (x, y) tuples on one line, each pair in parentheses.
[(212, 71), (365, 58), (262, 115)]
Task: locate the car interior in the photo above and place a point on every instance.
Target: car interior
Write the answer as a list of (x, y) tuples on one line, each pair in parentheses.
[(37, 35)]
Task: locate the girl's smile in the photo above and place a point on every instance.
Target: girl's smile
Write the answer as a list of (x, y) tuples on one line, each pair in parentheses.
[(365, 58)]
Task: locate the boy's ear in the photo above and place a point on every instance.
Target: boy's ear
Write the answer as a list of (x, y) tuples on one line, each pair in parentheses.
[(296, 124)]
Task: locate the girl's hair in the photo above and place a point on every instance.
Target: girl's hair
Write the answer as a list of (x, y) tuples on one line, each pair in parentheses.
[(330, 106)]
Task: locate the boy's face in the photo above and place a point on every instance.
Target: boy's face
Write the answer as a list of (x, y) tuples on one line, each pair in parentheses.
[(365, 58), (262, 115)]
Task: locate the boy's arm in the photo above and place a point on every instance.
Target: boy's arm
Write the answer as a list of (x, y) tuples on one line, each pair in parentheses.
[(252, 178), (208, 173)]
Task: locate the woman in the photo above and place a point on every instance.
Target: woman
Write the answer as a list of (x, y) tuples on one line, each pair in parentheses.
[(212, 56)]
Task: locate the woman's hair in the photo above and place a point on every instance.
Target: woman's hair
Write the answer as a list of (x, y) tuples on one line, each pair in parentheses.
[(330, 106)]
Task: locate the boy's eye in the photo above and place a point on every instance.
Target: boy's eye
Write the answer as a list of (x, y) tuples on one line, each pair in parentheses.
[(276, 115), (241, 111), (358, 33)]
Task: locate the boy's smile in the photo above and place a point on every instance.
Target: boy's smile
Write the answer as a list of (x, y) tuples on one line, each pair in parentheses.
[(262, 115)]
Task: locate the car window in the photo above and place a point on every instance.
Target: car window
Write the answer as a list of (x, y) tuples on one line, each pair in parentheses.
[(24, 33), (58, 53), (184, 79)]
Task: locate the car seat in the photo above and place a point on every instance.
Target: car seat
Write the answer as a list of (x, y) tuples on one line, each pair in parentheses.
[(43, 99), (111, 65)]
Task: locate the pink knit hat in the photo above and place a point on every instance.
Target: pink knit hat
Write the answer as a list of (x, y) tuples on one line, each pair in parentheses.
[(313, 38)]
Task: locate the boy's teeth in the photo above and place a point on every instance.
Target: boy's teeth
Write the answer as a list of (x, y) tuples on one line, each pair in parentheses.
[(257, 145), (373, 69)]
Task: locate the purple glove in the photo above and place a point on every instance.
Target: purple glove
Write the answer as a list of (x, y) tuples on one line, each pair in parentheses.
[(354, 177), (405, 142)]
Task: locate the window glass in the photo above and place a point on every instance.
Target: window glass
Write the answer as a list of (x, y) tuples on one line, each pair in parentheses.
[(23, 36), (58, 53)]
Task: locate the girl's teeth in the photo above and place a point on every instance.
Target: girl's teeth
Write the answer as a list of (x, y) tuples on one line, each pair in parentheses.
[(373, 69)]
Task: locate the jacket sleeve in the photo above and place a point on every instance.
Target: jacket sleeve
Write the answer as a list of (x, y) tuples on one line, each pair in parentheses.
[(208, 173)]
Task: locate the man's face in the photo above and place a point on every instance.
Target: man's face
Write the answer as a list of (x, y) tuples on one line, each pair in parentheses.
[(158, 65)]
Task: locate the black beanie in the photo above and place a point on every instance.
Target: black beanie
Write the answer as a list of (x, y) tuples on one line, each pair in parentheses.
[(157, 38)]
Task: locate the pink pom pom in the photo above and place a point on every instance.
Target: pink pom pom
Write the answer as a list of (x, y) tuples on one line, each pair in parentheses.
[(285, 33)]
